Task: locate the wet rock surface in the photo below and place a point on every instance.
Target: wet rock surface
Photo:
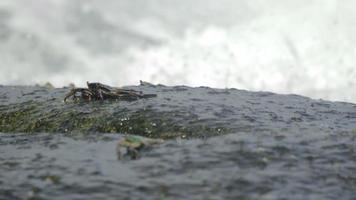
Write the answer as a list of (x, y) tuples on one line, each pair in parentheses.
[(220, 144), (234, 166), (176, 111)]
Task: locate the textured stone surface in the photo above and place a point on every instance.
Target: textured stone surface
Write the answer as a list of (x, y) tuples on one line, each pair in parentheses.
[(243, 145), (176, 111)]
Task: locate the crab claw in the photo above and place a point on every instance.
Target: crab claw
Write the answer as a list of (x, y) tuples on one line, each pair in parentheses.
[(69, 94), (85, 93), (100, 93)]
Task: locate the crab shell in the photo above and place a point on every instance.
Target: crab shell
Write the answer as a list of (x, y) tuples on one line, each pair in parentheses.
[(134, 144)]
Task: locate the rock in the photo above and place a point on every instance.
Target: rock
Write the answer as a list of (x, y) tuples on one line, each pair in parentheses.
[(177, 111)]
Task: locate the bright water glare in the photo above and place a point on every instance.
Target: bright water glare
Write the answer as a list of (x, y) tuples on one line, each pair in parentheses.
[(306, 47)]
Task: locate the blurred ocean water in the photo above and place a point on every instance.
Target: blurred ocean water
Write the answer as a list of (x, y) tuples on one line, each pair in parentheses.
[(306, 47)]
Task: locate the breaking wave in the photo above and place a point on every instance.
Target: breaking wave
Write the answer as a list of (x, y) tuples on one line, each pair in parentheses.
[(303, 47)]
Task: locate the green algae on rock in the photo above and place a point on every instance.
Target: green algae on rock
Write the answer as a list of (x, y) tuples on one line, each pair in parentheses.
[(176, 112)]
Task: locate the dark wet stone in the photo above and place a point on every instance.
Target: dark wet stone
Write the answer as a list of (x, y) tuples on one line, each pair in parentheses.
[(194, 112), (241, 145), (252, 165)]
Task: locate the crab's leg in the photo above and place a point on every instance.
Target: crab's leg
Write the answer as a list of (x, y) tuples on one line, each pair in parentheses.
[(100, 93), (118, 152), (134, 154), (127, 92), (69, 94), (86, 94), (80, 90)]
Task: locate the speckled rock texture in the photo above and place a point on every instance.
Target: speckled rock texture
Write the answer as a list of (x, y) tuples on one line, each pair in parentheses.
[(219, 144), (176, 111)]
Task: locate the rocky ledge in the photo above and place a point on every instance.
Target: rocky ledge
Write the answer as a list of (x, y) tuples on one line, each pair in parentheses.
[(177, 111)]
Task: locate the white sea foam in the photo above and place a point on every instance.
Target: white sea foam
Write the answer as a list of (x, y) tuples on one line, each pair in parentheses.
[(305, 47)]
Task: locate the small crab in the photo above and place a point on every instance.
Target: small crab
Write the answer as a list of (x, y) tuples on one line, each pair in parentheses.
[(99, 91), (134, 145)]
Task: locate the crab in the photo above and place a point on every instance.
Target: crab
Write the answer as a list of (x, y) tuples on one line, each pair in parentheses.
[(134, 145), (99, 91)]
